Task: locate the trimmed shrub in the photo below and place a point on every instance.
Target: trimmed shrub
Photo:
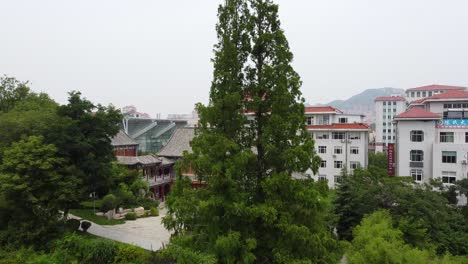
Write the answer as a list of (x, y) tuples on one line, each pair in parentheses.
[(73, 224), (109, 202), (130, 216), (147, 203), (85, 225), (132, 254), (154, 211)]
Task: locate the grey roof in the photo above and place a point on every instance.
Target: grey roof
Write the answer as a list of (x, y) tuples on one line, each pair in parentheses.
[(166, 161), (179, 142), (132, 160), (122, 139)]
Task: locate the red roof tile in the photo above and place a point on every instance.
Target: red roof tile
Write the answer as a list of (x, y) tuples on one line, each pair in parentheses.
[(348, 126), (321, 109), (435, 87), (417, 112), (390, 98), (419, 101), (449, 95)]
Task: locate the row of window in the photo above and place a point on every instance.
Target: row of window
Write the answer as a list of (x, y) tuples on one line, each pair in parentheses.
[(385, 110), (423, 94), (389, 103), (338, 164), (455, 105), (447, 176), (447, 156), (337, 135), (338, 150), (388, 137), (388, 130), (387, 123), (444, 137), (337, 178)]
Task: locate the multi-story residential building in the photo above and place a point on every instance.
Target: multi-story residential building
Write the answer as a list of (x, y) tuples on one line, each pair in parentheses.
[(417, 93), (341, 141), (386, 108), (432, 138)]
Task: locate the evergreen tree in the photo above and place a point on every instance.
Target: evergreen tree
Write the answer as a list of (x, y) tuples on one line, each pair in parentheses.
[(251, 138)]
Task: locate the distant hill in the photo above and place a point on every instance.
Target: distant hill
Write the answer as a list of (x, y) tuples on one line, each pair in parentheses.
[(363, 103)]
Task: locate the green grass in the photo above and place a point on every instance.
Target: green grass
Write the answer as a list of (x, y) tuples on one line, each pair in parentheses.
[(91, 204), (88, 214)]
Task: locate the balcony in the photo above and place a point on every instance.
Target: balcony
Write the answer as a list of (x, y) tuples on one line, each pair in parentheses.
[(416, 164), (153, 181)]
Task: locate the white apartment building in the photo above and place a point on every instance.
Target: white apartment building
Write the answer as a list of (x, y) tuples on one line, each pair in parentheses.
[(386, 108), (432, 138), (341, 141), (418, 93)]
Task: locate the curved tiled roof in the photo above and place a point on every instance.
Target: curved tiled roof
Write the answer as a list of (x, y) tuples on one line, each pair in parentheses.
[(178, 143), (436, 87), (417, 112), (122, 139), (346, 126), (144, 160)]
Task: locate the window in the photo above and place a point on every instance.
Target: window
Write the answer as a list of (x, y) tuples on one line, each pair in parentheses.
[(354, 150), (384, 137), (449, 157), (384, 124), (310, 120), (354, 136), (338, 150), (418, 94), (338, 164), (394, 103), (385, 110), (384, 103), (446, 137), (416, 174), (430, 93), (323, 164), (322, 149), (466, 137), (394, 110), (412, 94), (416, 155), (342, 120), (322, 177), (323, 120), (338, 135), (424, 94), (417, 135), (389, 117), (354, 164), (322, 135), (449, 176), (384, 131), (338, 178)]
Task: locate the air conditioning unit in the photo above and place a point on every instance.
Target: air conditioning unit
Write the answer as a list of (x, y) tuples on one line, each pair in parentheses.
[(464, 162), (334, 156)]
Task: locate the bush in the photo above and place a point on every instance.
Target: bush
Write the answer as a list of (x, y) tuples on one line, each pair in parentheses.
[(73, 224), (109, 202), (130, 216), (131, 254), (147, 203), (154, 211), (87, 250), (85, 225)]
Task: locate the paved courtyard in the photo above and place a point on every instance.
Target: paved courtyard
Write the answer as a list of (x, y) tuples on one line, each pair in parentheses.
[(148, 233)]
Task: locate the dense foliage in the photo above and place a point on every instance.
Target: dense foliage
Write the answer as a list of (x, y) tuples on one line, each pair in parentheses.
[(252, 210)]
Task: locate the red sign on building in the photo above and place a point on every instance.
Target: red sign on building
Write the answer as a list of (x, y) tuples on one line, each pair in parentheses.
[(391, 159)]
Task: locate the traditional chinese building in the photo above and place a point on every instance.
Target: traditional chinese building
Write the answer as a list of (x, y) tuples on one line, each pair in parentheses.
[(124, 145)]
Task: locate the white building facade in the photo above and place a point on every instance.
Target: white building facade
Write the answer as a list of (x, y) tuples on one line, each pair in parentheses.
[(432, 138), (418, 93), (341, 141), (386, 108)]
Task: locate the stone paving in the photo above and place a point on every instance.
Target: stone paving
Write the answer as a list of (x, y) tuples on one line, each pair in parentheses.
[(148, 233)]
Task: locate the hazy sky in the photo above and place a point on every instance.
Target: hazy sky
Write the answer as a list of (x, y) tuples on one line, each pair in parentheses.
[(156, 54)]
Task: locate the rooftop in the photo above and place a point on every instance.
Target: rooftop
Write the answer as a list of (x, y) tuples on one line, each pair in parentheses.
[(322, 109), (346, 126), (417, 113), (144, 160), (178, 143), (436, 87), (390, 98), (122, 139)]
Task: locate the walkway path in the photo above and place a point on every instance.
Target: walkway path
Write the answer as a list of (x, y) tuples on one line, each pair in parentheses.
[(148, 233)]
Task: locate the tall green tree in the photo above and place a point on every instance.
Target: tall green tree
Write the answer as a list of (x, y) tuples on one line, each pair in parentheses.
[(251, 138), (11, 92), (83, 138), (34, 186)]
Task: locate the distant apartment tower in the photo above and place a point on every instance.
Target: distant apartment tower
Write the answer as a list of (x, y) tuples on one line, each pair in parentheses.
[(386, 108), (418, 93), (341, 141), (432, 138)]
